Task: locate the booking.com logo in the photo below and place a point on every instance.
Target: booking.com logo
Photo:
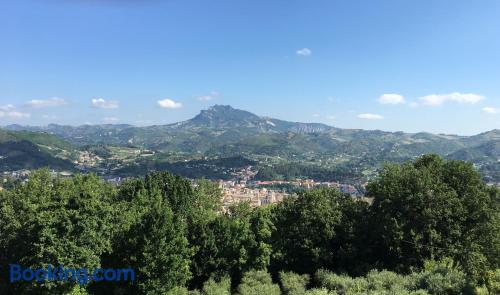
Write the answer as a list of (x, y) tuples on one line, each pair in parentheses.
[(81, 275)]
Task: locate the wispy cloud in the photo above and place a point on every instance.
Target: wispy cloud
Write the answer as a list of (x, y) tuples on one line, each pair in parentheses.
[(14, 115), (439, 99), (391, 98), (368, 116), (42, 103), (7, 107), (167, 103), (213, 95), (491, 110), (9, 111), (304, 52), (100, 103)]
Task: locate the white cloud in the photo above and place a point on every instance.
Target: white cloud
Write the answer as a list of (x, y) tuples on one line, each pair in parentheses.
[(439, 99), (169, 104), (391, 98), (7, 107), (110, 120), (14, 115), (304, 52), (368, 116), (331, 117), (413, 104), (213, 95), (315, 115), (100, 103), (8, 111), (491, 110), (42, 103)]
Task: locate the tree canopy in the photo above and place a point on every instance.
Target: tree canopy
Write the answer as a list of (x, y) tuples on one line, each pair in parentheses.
[(432, 227)]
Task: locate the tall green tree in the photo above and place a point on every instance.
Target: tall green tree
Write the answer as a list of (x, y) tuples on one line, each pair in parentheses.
[(231, 244), (55, 221), (430, 209), (305, 228), (152, 238)]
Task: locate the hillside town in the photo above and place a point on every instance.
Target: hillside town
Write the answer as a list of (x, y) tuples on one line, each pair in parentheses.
[(238, 190), (261, 193)]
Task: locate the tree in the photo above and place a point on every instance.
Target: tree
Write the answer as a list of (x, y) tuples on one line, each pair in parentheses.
[(305, 227), (432, 209), (61, 222), (231, 244), (152, 238), (160, 251)]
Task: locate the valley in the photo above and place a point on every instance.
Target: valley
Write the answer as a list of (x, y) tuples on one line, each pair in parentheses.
[(224, 143)]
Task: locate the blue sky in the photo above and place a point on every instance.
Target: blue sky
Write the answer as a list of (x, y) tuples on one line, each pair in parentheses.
[(426, 65)]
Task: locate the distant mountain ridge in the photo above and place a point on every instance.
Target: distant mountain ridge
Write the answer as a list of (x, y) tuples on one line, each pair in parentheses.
[(222, 131), (230, 125)]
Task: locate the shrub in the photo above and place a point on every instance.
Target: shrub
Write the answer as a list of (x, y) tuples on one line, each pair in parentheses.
[(442, 278), (375, 283), (179, 291), (493, 281), (293, 284), (77, 290), (322, 291), (341, 284), (258, 283), (385, 280), (223, 287)]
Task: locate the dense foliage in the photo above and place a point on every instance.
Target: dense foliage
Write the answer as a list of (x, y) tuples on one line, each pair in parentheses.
[(433, 227)]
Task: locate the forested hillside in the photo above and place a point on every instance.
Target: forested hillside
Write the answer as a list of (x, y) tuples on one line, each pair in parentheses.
[(317, 150), (431, 227), (33, 150)]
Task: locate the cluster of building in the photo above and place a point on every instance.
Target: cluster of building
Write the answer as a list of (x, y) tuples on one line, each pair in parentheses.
[(234, 192), (261, 193), (87, 160), (310, 183)]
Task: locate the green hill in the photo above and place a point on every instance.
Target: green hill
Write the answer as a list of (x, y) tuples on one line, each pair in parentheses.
[(224, 132), (31, 150), (23, 154)]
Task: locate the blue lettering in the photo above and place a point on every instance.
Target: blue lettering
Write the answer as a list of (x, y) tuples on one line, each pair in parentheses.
[(83, 277), (110, 274), (40, 275), (125, 273), (97, 277), (15, 272), (28, 274)]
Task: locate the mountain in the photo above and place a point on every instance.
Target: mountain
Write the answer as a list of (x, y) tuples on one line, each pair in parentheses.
[(31, 150), (221, 116), (222, 131), (17, 155), (482, 152)]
